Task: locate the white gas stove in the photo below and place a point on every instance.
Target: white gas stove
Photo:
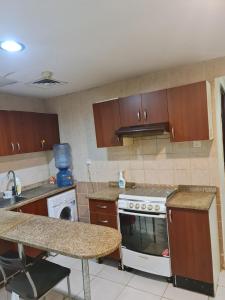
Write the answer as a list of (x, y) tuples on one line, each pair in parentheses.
[(143, 225), (146, 200)]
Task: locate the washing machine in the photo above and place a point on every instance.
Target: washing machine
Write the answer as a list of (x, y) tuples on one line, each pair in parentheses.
[(63, 206)]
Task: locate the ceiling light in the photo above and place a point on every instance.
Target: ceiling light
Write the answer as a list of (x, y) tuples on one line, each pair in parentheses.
[(11, 46)]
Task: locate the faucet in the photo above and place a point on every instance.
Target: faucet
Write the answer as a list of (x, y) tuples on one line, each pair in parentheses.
[(14, 188)]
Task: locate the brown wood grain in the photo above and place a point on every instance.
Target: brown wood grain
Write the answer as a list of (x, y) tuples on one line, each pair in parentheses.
[(188, 114), (103, 207), (190, 246), (104, 213), (155, 107), (130, 107), (5, 141), (22, 132), (107, 121)]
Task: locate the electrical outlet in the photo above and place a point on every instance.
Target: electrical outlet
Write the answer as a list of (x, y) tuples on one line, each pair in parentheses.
[(197, 144), (88, 162)]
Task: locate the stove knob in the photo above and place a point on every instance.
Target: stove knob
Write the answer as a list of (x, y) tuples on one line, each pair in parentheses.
[(143, 206), (157, 207), (150, 207), (137, 206), (131, 205)]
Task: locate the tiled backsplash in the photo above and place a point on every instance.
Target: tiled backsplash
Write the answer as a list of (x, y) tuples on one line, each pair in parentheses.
[(155, 160)]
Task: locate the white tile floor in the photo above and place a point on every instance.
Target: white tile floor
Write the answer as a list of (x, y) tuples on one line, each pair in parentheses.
[(107, 282)]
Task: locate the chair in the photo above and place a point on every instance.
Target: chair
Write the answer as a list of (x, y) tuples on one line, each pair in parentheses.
[(32, 281), (10, 273)]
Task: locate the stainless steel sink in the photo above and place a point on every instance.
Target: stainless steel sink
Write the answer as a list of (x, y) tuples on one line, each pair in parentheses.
[(19, 198), (12, 201)]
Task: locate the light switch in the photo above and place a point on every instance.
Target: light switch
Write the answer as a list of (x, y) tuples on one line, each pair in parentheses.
[(197, 144)]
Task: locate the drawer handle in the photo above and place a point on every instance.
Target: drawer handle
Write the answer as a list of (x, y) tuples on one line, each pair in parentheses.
[(102, 206), (104, 221)]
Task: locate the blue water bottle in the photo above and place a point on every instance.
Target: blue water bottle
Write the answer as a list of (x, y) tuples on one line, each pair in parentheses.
[(63, 162)]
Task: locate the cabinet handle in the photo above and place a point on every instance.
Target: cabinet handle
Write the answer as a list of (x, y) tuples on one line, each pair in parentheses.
[(102, 206), (18, 146), (170, 216), (13, 147), (145, 114), (42, 144), (139, 116), (173, 133), (104, 221)]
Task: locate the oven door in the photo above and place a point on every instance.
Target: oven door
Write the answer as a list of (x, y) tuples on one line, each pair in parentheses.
[(144, 233)]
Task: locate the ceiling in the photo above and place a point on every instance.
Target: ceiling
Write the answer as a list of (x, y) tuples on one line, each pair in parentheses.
[(92, 42)]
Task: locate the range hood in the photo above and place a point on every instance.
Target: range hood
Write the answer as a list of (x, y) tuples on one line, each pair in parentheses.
[(143, 130)]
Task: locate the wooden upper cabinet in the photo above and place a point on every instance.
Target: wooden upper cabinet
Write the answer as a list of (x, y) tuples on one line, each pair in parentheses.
[(154, 107), (189, 109), (21, 132), (26, 132), (190, 245), (107, 121), (6, 147), (130, 111), (48, 131)]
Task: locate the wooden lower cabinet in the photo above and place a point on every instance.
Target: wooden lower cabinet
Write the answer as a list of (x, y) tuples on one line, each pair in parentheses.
[(104, 213), (38, 207), (194, 248)]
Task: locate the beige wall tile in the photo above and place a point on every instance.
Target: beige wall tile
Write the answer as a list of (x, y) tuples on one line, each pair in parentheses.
[(148, 147), (151, 177), (200, 177), (182, 177), (166, 177), (83, 211)]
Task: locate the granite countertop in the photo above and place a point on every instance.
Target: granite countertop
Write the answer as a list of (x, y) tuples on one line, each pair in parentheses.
[(191, 200), (79, 240), (34, 194), (10, 219), (109, 194)]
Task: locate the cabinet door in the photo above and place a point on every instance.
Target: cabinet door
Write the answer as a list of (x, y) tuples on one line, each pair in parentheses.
[(107, 121), (131, 111), (6, 148), (190, 246), (154, 107), (188, 112), (22, 131), (48, 130), (38, 207)]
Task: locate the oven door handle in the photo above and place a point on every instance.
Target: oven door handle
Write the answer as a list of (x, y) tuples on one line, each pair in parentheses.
[(161, 216)]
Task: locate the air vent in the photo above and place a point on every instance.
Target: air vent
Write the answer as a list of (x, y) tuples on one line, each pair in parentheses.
[(4, 81), (47, 81)]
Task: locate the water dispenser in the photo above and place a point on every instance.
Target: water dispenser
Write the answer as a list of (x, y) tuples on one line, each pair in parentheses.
[(63, 162)]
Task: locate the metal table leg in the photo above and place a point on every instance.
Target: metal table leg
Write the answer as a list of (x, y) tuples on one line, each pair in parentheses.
[(86, 279)]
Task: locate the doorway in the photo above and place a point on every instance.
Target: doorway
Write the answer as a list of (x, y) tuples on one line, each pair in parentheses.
[(223, 119)]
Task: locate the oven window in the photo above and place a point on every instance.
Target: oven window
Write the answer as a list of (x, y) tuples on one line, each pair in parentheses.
[(144, 234)]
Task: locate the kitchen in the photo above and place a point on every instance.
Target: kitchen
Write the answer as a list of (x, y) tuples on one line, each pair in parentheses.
[(146, 160)]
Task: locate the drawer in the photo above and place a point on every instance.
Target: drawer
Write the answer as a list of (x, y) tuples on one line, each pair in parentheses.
[(104, 207), (104, 220)]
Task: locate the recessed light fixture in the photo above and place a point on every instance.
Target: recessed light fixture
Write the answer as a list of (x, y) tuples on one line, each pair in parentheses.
[(11, 46)]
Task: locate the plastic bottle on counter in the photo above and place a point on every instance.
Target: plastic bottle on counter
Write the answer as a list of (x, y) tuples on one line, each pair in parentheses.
[(122, 181)]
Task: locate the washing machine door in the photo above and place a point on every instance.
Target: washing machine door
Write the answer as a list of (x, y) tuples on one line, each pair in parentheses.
[(66, 213)]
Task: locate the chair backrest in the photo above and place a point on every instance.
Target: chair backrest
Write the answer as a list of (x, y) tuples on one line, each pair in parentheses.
[(12, 263)]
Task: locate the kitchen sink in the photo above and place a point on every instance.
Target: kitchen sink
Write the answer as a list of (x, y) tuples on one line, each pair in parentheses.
[(19, 198), (12, 201)]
